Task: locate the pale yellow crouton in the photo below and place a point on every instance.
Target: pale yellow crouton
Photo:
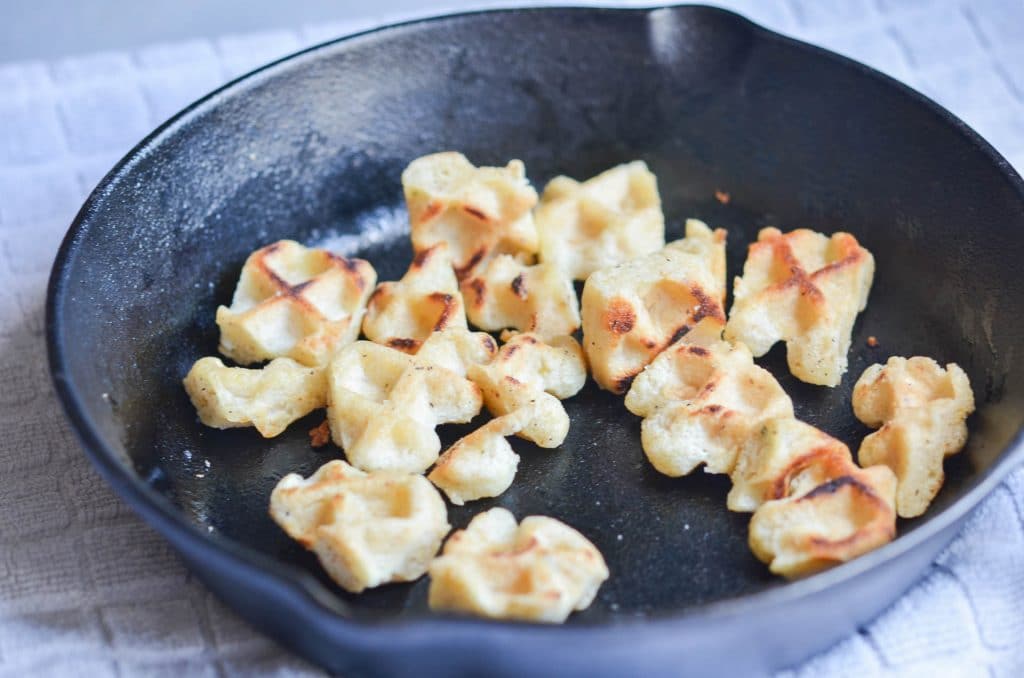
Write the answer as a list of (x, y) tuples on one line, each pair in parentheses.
[(540, 570), (270, 398), (789, 458), (383, 407), (535, 298), (366, 529), (922, 410), (606, 220), (295, 302), (479, 212), (632, 311), (481, 464), (703, 403), (403, 314), (531, 375), (836, 521), (457, 348), (813, 506), (805, 289)]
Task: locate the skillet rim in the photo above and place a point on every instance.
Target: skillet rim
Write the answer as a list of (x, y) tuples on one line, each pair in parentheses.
[(308, 596)]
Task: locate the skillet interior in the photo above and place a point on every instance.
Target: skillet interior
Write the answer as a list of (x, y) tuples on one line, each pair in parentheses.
[(312, 149)]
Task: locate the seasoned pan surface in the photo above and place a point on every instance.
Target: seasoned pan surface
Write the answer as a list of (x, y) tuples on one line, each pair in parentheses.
[(312, 147)]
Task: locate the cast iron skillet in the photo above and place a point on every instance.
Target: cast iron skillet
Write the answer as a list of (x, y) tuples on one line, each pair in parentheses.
[(312, 148)]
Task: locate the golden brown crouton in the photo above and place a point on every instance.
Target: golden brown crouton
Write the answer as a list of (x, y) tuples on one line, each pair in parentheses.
[(540, 570), (295, 302), (632, 311), (922, 410), (805, 289)]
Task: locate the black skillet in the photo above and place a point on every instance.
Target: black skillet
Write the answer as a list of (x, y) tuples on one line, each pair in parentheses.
[(312, 148)]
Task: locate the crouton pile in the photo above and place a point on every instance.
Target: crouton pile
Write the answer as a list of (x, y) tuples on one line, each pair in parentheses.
[(493, 256)]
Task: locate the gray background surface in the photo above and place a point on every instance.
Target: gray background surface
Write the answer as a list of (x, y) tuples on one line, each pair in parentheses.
[(87, 589), (43, 29)]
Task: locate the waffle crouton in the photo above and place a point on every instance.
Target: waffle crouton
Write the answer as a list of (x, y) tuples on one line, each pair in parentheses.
[(805, 289), (835, 522), (535, 298), (704, 401), (789, 458), (540, 570), (270, 398), (366, 529), (632, 311), (611, 218), (404, 313), (479, 212), (383, 407), (457, 348), (922, 410), (531, 375), (294, 302), (481, 464), (813, 506)]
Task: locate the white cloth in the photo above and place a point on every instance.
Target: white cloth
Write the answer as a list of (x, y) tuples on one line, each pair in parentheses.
[(86, 588)]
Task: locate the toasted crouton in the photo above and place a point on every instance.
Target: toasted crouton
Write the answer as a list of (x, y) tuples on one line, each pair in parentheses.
[(835, 522), (295, 302), (535, 298), (805, 289), (789, 457), (540, 570), (632, 311), (531, 375), (606, 220), (457, 348), (366, 529), (921, 410), (402, 314), (704, 401), (480, 212), (383, 407), (481, 464), (269, 398)]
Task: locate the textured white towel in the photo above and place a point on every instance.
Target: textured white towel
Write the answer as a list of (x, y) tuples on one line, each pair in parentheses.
[(87, 589)]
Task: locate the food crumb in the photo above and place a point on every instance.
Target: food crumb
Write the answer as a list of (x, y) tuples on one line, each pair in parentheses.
[(872, 341), (722, 197), (321, 435), (619, 537)]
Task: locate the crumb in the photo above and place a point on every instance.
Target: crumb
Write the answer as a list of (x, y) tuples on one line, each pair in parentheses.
[(321, 435), (722, 197), (872, 341)]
